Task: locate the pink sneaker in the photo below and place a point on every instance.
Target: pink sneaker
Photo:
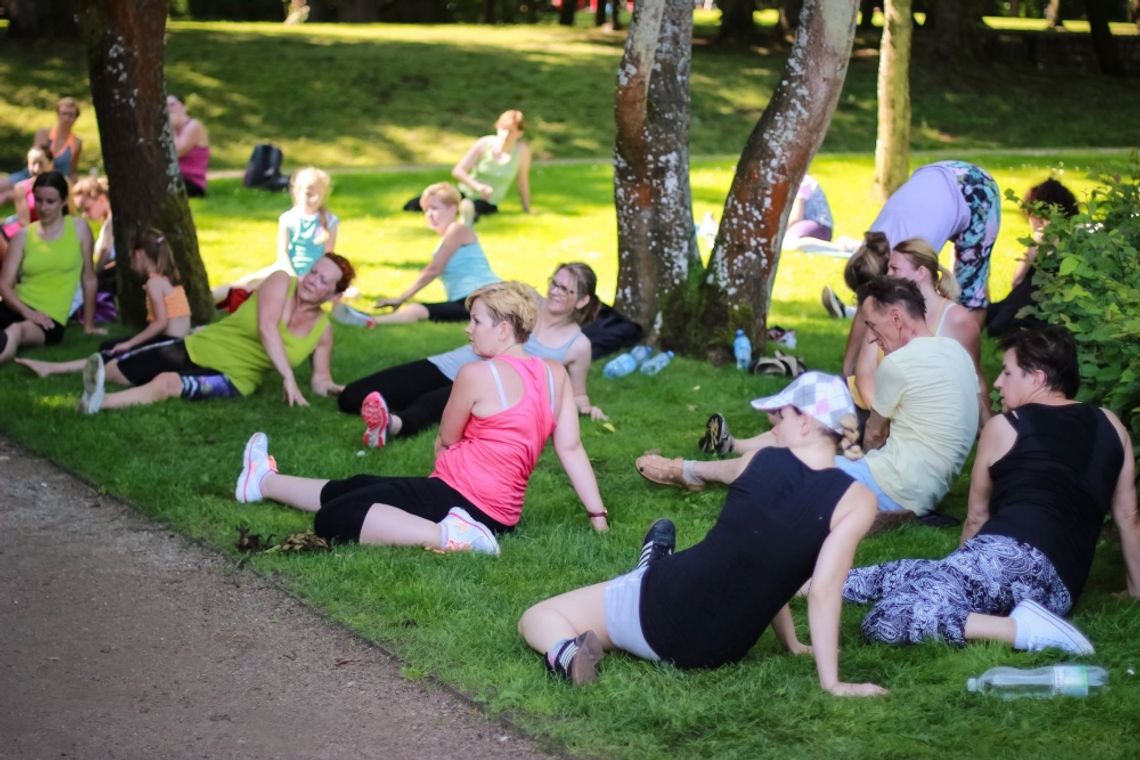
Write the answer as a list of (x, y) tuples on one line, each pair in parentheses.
[(374, 412)]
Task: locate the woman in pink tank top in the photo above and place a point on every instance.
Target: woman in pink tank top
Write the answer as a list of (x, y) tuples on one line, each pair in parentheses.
[(192, 144), (498, 418)]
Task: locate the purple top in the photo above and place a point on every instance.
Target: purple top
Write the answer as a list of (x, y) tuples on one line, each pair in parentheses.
[(929, 205)]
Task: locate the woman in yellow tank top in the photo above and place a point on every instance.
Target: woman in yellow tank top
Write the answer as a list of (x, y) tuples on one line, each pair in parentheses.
[(44, 263)]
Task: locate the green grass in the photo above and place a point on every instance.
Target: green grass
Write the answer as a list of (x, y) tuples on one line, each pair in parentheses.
[(411, 95), (453, 617)]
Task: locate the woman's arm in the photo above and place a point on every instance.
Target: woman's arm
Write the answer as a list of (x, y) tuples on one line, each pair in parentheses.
[(962, 327), (283, 262), (455, 236), (468, 387), (1124, 510), (271, 297), (87, 278), (578, 367), (189, 138), (322, 382), (461, 171), (1024, 266), (330, 237), (8, 274), (75, 158), (866, 367), (156, 290), (20, 201), (568, 446), (825, 598), (785, 629), (522, 181), (856, 340)]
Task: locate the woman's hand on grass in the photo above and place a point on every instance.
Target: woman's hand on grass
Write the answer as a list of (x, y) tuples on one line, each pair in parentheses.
[(293, 395), (599, 523), (798, 647), (93, 330), (394, 303)]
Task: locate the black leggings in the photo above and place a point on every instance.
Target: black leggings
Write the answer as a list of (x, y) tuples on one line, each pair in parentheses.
[(416, 392)]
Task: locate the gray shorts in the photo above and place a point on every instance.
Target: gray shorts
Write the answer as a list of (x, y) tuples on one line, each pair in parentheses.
[(623, 615)]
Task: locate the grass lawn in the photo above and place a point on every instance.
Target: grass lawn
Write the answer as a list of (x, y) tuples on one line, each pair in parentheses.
[(378, 99)]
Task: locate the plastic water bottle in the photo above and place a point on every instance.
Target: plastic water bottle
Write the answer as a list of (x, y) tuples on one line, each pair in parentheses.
[(1066, 680), (657, 363), (742, 350), (622, 365)]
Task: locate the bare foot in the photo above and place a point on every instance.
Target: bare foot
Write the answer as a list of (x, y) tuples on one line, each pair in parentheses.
[(39, 367)]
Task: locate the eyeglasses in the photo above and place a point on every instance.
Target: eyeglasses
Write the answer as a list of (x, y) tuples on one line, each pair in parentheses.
[(557, 287)]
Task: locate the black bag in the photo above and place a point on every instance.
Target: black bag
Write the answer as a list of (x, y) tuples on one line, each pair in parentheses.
[(264, 168), (611, 331)]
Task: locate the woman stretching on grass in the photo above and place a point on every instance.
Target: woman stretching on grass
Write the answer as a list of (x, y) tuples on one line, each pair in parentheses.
[(458, 261), (790, 515), (405, 399), (167, 310), (281, 325), (497, 421)]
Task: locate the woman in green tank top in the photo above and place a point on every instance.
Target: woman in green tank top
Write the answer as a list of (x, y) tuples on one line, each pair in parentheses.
[(280, 326), (44, 264)]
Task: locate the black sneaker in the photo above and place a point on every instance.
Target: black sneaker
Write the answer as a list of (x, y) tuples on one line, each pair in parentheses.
[(716, 440), (831, 303), (660, 540)]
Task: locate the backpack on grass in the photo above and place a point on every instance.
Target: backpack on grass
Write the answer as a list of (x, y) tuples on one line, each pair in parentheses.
[(264, 169)]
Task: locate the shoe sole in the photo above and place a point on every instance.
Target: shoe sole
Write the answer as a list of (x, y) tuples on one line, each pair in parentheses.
[(831, 303), (374, 412), (1080, 642), (94, 382), (241, 491), (584, 666)]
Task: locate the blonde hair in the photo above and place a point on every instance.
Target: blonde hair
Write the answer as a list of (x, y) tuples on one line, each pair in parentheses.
[(444, 191), (313, 177), (67, 101), (512, 119), (511, 301), (90, 187), (922, 254), (869, 261)]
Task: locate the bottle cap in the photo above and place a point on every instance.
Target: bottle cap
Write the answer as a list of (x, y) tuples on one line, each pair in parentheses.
[(971, 684)]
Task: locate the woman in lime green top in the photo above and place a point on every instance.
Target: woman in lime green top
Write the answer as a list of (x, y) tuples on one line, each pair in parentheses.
[(281, 325), (44, 264)]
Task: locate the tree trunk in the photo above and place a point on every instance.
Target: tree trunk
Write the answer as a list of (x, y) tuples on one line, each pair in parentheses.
[(656, 246), (737, 290), (36, 19), (892, 144), (566, 12), (953, 32), (126, 42), (789, 16), (1103, 44)]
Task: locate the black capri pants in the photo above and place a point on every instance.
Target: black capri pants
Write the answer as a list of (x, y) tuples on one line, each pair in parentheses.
[(416, 392)]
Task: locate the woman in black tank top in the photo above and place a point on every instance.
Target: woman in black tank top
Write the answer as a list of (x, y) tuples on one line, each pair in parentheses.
[(789, 514)]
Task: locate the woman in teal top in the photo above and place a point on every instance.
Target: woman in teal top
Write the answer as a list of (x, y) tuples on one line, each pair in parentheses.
[(281, 325), (458, 262), (44, 264)]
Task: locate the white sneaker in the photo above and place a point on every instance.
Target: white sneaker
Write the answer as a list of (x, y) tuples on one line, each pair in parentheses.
[(94, 381), (347, 315), (463, 533), (1038, 628), (256, 464)]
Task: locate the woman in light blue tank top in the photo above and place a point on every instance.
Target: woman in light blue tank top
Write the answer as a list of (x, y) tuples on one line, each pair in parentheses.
[(416, 393), (458, 262)]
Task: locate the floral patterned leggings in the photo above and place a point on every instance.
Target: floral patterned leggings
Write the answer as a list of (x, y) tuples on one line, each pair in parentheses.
[(973, 245), (921, 599)]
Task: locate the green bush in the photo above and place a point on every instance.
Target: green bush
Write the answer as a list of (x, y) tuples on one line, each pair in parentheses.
[(1088, 271)]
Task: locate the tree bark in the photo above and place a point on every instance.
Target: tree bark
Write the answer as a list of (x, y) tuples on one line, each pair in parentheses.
[(1103, 45), (125, 41), (953, 32), (656, 246), (892, 144), (737, 289), (37, 19)]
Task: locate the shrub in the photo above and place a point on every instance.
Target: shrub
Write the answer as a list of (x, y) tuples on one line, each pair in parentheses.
[(1088, 272)]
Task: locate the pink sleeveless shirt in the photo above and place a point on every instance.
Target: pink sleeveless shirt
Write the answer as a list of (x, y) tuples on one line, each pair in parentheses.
[(492, 462)]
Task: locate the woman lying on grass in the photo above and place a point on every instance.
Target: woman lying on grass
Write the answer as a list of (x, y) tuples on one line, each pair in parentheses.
[(498, 418), (405, 399), (789, 515), (281, 325)]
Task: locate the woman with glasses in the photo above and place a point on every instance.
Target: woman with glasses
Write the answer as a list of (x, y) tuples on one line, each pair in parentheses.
[(405, 399), (64, 146), (458, 261)]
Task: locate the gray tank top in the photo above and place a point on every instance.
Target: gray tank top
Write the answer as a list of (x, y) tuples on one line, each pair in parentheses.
[(450, 362)]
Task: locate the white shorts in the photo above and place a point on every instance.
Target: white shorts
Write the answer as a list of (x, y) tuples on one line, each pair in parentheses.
[(623, 615)]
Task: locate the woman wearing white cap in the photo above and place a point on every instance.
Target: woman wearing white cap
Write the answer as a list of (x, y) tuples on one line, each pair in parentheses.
[(790, 515)]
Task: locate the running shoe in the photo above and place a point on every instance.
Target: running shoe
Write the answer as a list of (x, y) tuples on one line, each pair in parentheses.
[(831, 303), (256, 463), (374, 412), (659, 542), (94, 382), (463, 533)]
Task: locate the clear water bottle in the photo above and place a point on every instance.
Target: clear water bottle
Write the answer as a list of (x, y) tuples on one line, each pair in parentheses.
[(742, 350), (622, 365), (657, 363), (1066, 680)]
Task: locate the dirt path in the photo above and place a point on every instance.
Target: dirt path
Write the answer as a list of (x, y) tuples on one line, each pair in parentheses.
[(119, 639)]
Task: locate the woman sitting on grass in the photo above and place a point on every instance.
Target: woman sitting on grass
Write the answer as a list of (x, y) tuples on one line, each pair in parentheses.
[(458, 261), (281, 325), (405, 399), (167, 310), (789, 515), (497, 421)]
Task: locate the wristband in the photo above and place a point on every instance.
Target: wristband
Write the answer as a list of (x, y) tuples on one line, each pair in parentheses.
[(603, 513)]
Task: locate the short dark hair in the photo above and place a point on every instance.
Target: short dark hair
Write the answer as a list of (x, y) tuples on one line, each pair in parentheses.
[(1048, 348), (894, 291), (1052, 193), (55, 180)]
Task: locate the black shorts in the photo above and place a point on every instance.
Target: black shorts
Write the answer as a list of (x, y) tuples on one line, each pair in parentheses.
[(345, 504), (9, 316), (193, 190), (448, 311)]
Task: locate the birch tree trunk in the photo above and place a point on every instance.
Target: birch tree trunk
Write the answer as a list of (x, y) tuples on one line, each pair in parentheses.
[(656, 245), (892, 144), (126, 46), (737, 289)]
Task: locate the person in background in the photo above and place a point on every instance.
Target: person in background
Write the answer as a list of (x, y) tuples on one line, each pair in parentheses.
[(810, 216), (91, 198), (191, 144), (63, 145)]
